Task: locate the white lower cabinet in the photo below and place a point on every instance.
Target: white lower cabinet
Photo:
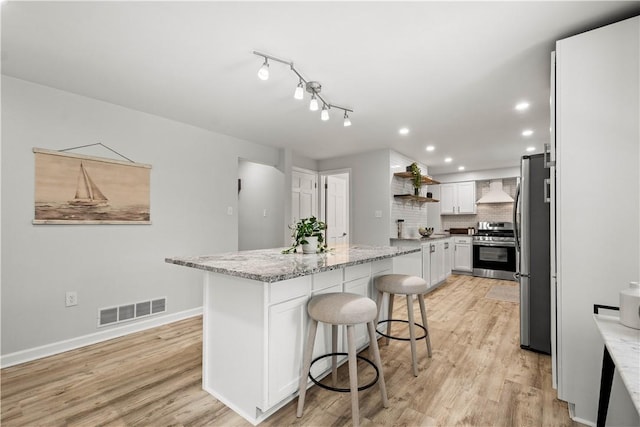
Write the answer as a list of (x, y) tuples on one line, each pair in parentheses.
[(447, 258), (287, 323), (436, 262), (463, 255), (426, 263)]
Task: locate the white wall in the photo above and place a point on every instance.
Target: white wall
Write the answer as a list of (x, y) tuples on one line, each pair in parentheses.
[(598, 138), (260, 206), (369, 193), (481, 175), (193, 182)]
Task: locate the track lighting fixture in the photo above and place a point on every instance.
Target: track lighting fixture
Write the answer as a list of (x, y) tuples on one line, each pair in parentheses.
[(324, 115), (263, 72), (313, 87)]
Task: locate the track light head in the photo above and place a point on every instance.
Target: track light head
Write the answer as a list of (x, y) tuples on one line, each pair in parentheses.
[(263, 72), (347, 120), (324, 115), (299, 93), (313, 105)]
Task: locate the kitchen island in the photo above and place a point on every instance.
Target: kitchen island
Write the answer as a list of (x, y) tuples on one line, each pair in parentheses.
[(255, 318)]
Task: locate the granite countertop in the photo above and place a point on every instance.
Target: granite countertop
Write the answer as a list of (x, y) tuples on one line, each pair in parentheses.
[(271, 265), (424, 239), (623, 344)]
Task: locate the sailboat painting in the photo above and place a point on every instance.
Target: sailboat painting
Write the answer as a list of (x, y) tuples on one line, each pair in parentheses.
[(79, 189)]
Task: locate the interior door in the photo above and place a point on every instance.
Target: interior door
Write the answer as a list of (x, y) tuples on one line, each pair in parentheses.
[(304, 187), (337, 212)]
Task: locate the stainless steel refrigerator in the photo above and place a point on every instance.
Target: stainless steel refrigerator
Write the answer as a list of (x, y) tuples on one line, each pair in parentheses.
[(531, 223)]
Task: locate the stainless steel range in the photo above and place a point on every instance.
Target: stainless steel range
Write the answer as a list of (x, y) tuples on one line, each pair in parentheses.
[(494, 250)]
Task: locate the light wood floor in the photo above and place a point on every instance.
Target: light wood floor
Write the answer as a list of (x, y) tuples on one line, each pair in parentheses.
[(478, 376)]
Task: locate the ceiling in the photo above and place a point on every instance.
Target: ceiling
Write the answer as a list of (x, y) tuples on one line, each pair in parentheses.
[(451, 72)]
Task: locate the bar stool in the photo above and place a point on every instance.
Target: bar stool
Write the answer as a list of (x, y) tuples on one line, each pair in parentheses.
[(341, 308), (403, 284)]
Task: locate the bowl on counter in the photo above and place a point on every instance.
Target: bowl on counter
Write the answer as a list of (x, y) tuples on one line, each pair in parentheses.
[(425, 232)]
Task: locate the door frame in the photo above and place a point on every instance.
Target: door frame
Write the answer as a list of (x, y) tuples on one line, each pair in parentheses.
[(322, 194)]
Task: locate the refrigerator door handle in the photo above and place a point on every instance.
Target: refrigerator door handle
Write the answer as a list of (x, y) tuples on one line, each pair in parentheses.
[(547, 156), (547, 186), (516, 228)]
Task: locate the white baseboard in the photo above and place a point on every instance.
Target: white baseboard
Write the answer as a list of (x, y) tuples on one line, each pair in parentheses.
[(30, 354)]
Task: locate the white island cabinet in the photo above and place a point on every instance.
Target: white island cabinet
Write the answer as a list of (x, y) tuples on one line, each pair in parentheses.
[(255, 318)]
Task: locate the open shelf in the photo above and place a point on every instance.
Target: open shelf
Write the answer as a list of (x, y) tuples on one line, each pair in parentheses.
[(426, 180), (415, 198)]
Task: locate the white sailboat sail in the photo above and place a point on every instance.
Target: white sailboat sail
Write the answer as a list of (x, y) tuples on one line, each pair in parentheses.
[(87, 192)]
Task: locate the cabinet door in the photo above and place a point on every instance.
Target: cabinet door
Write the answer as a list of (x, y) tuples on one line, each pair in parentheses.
[(437, 263), (447, 258), (466, 197), (447, 199), (287, 321), (462, 258), (426, 264), (360, 287)]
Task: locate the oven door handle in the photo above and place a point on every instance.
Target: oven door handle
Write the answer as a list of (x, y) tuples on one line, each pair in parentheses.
[(496, 244)]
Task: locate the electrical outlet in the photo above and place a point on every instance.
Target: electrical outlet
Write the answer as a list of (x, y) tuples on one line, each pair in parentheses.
[(71, 298), (230, 210), (377, 214)]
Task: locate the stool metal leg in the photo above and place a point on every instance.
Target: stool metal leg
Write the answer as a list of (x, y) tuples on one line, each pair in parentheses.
[(389, 316), (423, 311), (412, 334), (353, 375), (334, 358), (373, 346), (306, 365)]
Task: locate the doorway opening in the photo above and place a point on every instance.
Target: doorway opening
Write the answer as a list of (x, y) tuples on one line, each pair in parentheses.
[(334, 205)]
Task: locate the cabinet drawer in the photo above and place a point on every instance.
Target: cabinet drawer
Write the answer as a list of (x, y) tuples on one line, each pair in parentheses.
[(288, 289), (465, 239), (327, 279), (382, 265), (357, 271)]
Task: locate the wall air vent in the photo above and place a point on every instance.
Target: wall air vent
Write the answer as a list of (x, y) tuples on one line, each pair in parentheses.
[(132, 311)]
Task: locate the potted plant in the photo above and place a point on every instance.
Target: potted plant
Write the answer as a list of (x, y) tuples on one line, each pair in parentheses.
[(416, 177), (308, 233)]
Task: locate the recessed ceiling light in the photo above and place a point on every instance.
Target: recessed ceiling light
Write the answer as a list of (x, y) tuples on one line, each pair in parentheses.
[(448, 159), (430, 148), (403, 131), (460, 168), (530, 149), (522, 106), (527, 132)]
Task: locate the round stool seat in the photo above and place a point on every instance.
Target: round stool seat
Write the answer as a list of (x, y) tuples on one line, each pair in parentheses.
[(401, 284), (341, 308)]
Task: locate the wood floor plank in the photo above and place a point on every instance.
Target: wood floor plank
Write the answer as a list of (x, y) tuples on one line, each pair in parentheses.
[(478, 376)]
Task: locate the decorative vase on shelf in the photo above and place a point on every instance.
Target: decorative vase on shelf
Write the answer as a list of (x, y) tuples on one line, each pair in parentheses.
[(416, 191), (311, 247)]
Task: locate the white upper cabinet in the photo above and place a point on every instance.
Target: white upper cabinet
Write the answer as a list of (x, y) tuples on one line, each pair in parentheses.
[(458, 198)]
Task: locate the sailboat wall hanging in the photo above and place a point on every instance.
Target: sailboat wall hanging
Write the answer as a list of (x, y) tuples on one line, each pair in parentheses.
[(78, 189)]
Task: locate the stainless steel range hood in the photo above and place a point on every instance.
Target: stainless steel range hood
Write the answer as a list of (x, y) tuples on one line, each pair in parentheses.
[(496, 194)]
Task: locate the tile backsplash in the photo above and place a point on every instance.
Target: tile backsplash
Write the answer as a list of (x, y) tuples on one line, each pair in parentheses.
[(495, 212)]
